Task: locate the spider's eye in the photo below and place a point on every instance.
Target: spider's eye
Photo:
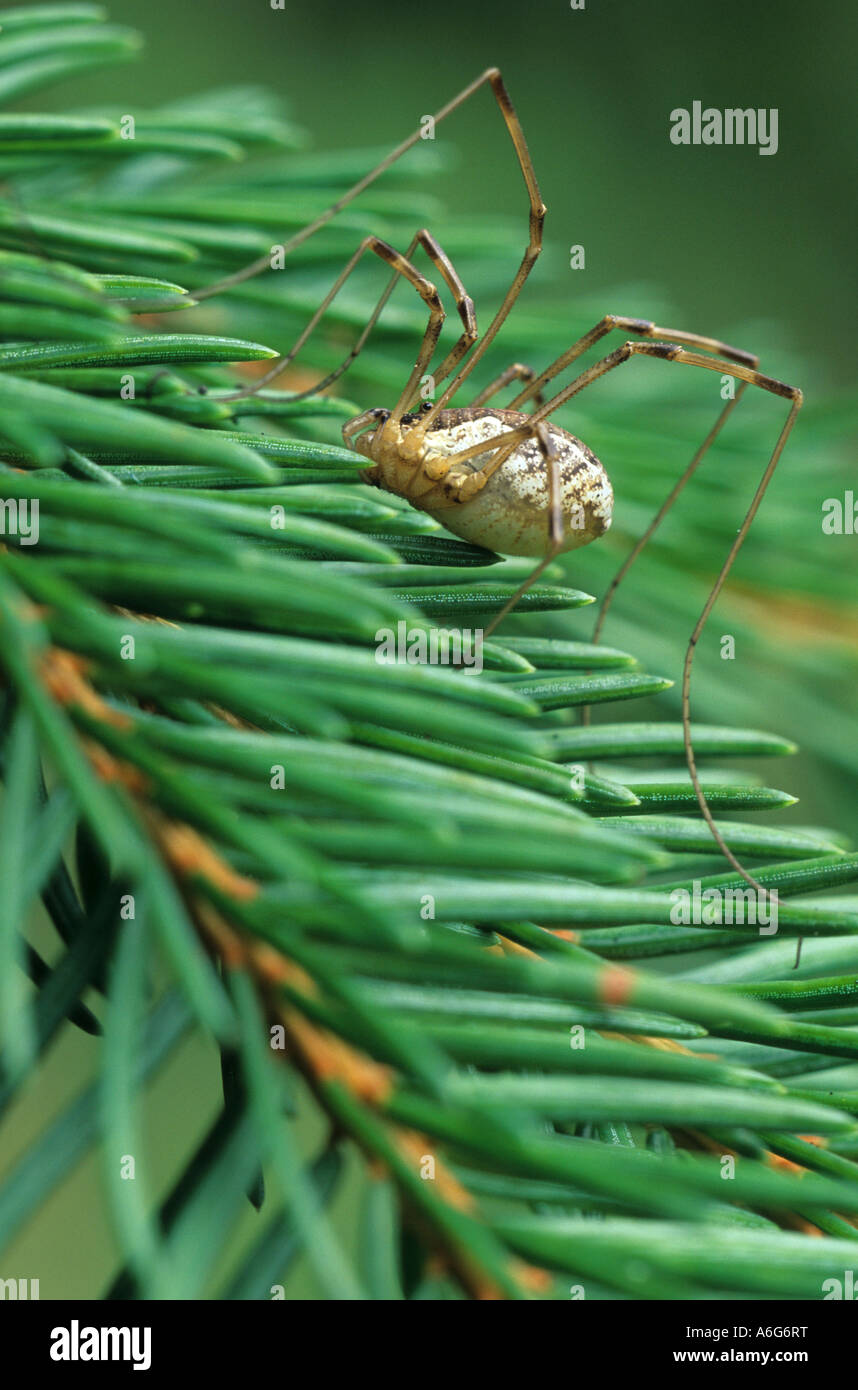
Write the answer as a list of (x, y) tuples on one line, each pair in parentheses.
[(427, 405)]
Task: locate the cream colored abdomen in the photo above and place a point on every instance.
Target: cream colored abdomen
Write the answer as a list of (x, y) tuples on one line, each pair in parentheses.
[(510, 514)]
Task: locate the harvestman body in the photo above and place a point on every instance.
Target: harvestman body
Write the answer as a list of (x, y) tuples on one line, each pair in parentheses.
[(506, 479), (509, 516)]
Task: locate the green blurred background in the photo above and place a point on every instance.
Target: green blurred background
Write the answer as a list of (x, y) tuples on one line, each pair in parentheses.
[(755, 249)]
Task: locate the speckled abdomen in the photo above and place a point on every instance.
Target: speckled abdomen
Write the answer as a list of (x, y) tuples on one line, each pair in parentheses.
[(510, 514)]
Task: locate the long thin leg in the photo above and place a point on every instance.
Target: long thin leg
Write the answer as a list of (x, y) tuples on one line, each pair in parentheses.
[(442, 262), (465, 309), (464, 304), (517, 371), (402, 266), (672, 352), (662, 512), (644, 539), (645, 329), (531, 251), (491, 76)]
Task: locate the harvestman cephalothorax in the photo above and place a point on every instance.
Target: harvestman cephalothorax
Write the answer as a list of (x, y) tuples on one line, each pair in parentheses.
[(503, 478)]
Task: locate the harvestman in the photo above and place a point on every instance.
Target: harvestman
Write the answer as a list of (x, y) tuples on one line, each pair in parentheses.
[(503, 478)]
